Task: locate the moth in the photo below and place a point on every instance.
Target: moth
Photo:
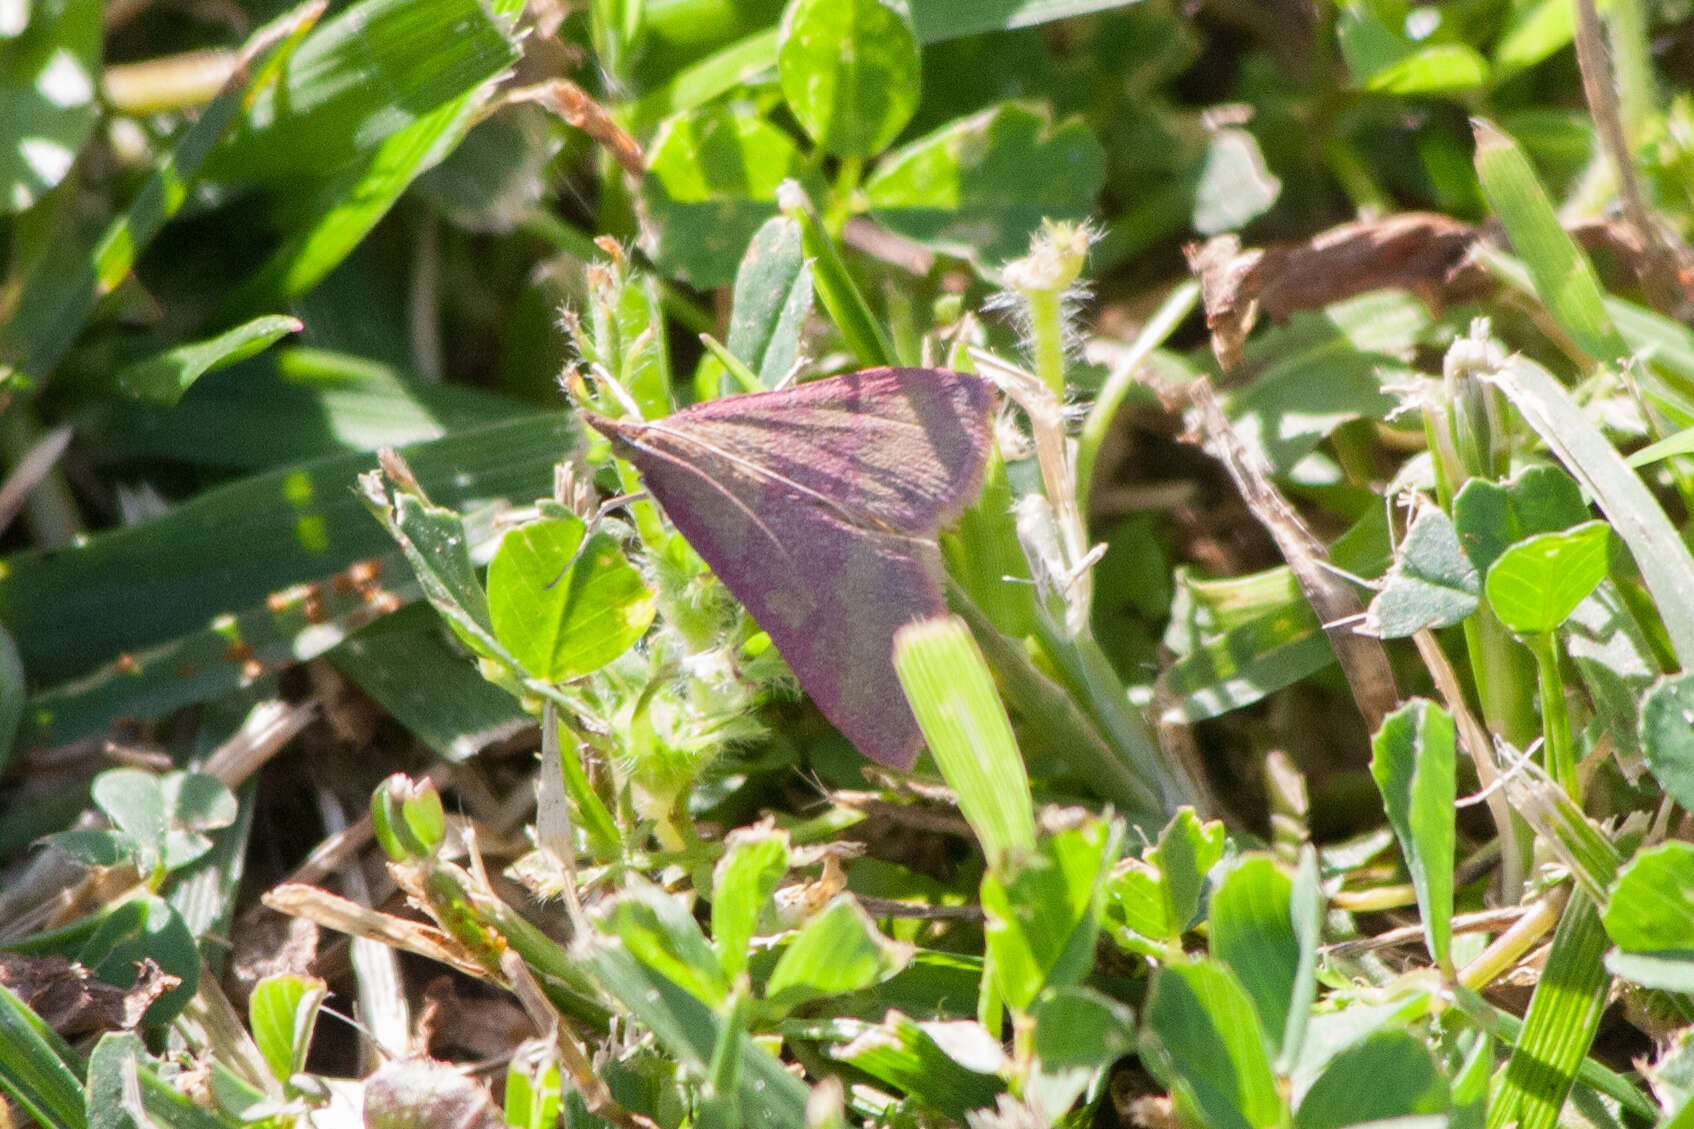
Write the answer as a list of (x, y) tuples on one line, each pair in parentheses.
[(818, 506)]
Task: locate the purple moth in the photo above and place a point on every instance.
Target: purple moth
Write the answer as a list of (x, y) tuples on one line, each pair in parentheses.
[(818, 506)]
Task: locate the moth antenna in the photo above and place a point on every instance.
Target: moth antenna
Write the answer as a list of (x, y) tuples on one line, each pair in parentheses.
[(591, 527), (604, 378)]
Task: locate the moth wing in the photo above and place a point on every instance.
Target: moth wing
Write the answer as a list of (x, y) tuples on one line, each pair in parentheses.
[(897, 448), (829, 592)]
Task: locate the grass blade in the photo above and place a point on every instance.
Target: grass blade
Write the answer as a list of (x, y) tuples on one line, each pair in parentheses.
[(1563, 276), (57, 301), (947, 681), (1559, 1027), (1636, 516), (36, 1067)]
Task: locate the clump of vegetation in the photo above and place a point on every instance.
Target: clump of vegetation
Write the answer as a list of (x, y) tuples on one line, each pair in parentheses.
[(949, 562)]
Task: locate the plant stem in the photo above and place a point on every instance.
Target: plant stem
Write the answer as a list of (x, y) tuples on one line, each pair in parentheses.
[(1555, 719), (1047, 337)]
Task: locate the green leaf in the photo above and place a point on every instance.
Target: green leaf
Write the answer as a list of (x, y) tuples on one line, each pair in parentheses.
[(1617, 663), (849, 70), (372, 70), (135, 803), (1651, 907), (561, 627), (47, 81), (37, 1069), (1079, 1033), (1667, 736), (282, 1012), (1387, 1074), (659, 932), (1534, 31), (753, 863), (93, 847), (146, 928), (1664, 560), (1234, 186), (198, 802), (1247, 663), (1202, 1038), (1564, 278), (1252, 932), (1413, 759), (1137, 913), (1489, 516), (164, 378), (1322, 370), (438, 547), (687, 1029), (951, 691), (1441, 68), (113, 1098), (1432, 583), (1536, 584), (838, 951), (773, 298), (1186, 852), (1044, 914), (711, 182), (978, 187), (912, 1057)]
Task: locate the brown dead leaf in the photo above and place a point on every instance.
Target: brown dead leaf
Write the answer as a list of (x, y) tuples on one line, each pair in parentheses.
[(72, 1002), (1420, 252), (1424, 253)]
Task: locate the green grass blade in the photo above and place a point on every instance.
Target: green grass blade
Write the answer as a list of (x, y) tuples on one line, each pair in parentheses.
[(57, 300), (1564, 278), (292, 405), (230, 548), (37, 1069), (461, 714), (939, 20), (947, 681), (163, 379), (1247, 663), (351, 204), (1058, 723), (1636, 516), (374, 69), (1104, 411), (840, 295), (1559, 1027)]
